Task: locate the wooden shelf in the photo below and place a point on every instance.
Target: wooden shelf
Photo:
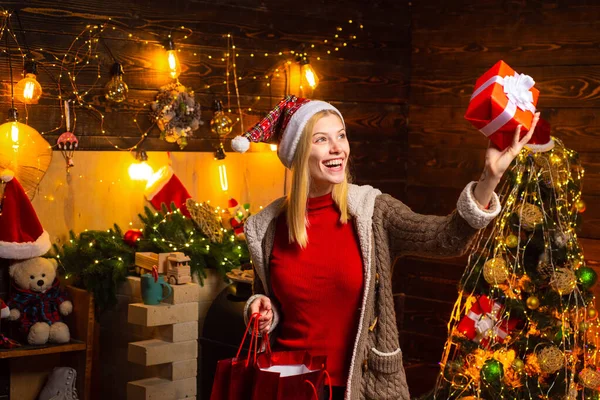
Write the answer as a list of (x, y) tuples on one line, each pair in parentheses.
[(27, 350), (30, 365)]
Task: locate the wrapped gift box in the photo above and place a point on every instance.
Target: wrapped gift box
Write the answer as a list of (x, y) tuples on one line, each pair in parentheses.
[(484, 323), (502, 100)]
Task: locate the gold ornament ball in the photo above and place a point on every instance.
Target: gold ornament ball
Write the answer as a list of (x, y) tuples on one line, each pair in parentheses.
[(495, 271), (550, 359), (592, 313), (564, 281), (530, 215), (580, 206), (590, 378), (584, 326), (518, 365), (533, 303), (511, 241)]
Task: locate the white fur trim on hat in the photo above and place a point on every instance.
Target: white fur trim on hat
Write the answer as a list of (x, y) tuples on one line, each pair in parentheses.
[(22, 251), (469, 209), (540, 148), (293, 131), (158, 181), (240, 144), (7, 175)]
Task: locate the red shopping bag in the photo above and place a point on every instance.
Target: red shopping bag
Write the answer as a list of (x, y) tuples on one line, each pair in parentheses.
[(289, 375), (234, 377)]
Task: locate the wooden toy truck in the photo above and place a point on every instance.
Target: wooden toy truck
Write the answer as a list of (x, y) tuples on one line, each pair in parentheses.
[(175, 266)]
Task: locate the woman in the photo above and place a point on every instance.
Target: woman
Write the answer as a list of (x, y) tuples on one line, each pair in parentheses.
[(323, 255)]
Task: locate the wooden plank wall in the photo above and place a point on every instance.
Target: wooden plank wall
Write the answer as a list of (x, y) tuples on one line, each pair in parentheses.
[(453, 42), (367, 79)]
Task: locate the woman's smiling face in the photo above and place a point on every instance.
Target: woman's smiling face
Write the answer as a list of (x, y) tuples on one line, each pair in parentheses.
[(329, 154)]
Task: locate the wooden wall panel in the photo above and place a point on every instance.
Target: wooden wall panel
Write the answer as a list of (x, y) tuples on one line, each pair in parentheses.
[(372, 71), (453, 43)]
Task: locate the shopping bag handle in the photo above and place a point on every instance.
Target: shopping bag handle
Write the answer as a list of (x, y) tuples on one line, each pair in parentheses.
[(253, 328), (315, 389), (266, 343)]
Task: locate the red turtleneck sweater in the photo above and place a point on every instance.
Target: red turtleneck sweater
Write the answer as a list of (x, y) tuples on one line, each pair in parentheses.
[(319, 289)]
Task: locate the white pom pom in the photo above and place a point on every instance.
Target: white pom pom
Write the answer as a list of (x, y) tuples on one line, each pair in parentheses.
[(7, 175), (240, 144)]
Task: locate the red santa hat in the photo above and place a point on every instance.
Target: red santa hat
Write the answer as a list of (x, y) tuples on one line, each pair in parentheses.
[(285, 124), (541, 140), (165, 187), (21, 233)]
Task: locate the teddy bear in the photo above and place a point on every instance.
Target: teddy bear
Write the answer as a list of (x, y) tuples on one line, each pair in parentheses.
[(38, 301)]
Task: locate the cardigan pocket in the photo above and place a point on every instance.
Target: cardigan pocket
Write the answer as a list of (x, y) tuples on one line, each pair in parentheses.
[(385, 378), (385, 363)]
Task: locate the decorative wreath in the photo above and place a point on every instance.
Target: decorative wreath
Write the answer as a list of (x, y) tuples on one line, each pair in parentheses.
[(176, 113)]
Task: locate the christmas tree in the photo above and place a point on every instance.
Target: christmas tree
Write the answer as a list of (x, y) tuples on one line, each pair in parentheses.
[(524, 324)]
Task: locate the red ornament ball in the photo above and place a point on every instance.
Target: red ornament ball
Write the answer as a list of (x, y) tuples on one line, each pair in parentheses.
[(131, 237)]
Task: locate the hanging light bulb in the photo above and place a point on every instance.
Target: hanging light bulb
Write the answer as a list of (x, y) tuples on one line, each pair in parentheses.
[(220, 157), (173, 61), (220, 124), (12, 131), (28, 90), (309, 76), (140, 170), (116, 88)]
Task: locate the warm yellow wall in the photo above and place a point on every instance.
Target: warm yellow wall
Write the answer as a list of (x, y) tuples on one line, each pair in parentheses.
[(99, 191)]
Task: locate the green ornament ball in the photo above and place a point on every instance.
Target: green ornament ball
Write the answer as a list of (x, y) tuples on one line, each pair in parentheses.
[(560, 334), (587, 277), (492, 371)]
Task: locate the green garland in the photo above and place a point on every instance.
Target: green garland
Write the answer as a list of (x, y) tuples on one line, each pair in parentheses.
[(100, 261)]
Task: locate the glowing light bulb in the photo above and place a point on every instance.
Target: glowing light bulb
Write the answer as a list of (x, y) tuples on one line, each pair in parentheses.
[(309, 76), (223, 177), (140, 170), (28, 90), (12, 131), (220, 124), (14, 134), (173, 61), (273, 147), (220, 157), (116, 88)]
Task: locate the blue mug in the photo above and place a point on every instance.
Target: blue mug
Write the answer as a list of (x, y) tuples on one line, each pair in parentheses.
[(152, 292)]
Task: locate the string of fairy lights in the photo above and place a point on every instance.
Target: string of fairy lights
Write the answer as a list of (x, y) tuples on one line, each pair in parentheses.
[(83, 54), (177, 245), (499, 259)]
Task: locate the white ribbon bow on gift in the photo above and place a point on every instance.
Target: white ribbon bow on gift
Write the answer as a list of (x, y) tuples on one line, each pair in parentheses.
[(486, 324), (517, 91)]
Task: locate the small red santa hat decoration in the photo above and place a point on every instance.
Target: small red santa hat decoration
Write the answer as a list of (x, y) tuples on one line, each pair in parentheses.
[(165, 187), (4, 310), (541, 140), (21, 233), (285, 124)]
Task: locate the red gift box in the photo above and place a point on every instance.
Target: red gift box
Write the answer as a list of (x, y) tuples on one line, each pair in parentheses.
[(502, 100), (483, 324)]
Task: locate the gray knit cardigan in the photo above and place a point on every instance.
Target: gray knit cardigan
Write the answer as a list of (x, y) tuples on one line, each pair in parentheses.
[(386, 229)]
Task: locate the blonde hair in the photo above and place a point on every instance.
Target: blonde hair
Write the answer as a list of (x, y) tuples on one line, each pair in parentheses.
[(297, 199)]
